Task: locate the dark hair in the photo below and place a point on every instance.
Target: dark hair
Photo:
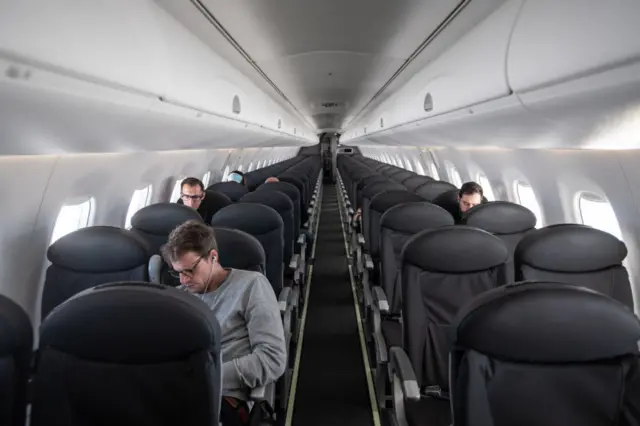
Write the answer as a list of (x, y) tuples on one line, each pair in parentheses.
[(470, 188), (193, 235), (192, 181)]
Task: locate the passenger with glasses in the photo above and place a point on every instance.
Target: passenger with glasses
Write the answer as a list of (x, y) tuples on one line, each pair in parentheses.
[(253, 344), (192, 193)]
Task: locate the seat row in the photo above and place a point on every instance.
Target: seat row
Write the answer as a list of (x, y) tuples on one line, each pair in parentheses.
[(113, 326), (428, 272)]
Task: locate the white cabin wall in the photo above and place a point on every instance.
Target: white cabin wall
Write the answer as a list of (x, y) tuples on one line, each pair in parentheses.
[(36, 187)]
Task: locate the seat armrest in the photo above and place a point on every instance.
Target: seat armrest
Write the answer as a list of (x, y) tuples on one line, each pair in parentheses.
[(310, 211), (361, 239), (302, 239), (283, 299), (401, 365), (368, 262), (350, 211), (306, 225), (295, 262), (380, 343), (380, 299)]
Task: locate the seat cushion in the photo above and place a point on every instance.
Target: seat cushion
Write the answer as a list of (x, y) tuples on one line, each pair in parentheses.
[(392, 332)]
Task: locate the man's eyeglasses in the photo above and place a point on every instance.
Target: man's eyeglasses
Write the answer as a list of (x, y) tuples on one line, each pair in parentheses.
[(186, 272), (192, 197)]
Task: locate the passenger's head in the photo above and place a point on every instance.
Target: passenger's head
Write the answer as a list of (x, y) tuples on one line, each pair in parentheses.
[(236, 176), (272, 179), (192, 192), (192, 252), (470, 195)]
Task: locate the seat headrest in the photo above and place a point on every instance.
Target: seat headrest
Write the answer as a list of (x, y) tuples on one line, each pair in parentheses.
[(99, 249), (216, 198), (286, 187), (545, 322), (411, 218), (371, 179), (275, 199), (131, 323), (387, 199), (254, 219), (455, 249), (571, 248), (16, 331), (374, 189), (239, 250), (233, 190), (162, 218), (430, 190), (501, 217)]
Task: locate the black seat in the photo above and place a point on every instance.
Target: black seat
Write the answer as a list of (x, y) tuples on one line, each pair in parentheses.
[(265, 224), (128, 354), (233, 190), (448, 200), (430, 190), (443, 269), (575, 254), (91, 256), (239, 250), (414, 182), (367, 195), (541, 353), (293, 193), (507, 221), (16, 343), (212, 202), (155, 222)]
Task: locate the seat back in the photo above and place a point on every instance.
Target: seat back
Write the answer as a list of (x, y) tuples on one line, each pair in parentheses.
[(363, 183), (368, 193), (281, 204), (575, 254), (442, 270), (430, 190), (397, 225), (212, 202), (233, 190), (239, 250), (155, 222), (266, 225), (541, 353), (380, 203), (507, 221), (304, 216), (128, 354), (413, 182), (91, 256), (293, 193), (16, 343)]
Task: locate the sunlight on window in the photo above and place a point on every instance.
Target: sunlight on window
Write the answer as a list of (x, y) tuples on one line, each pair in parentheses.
[(454, 175), (175, 193), (206, 178), (141, 198), (250, 167), (527, 198), (598, 213), (72, 217), (225, 173), (419, 168), (240, 168), (408, 164), (486, 187)]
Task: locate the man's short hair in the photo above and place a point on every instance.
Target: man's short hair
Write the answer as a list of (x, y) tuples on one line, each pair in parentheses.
[(470, 188), (192, 235), (192, 181)]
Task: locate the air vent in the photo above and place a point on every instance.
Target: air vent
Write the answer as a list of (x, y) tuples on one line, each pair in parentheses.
[(235, 107), (428, 103)]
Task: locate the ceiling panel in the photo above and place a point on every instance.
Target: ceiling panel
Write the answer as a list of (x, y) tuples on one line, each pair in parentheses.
[(331, 50)]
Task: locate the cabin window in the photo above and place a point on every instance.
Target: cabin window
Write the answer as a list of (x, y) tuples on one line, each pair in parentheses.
[(175, 192), (206, 178), (527, 198), (235, 106), (250, 167), (486, 187), (434, 171), (408, 164), (419, 168), (225, 173), (240, 168), (454, 175), (141, 198), (597, 212), (73, 217)]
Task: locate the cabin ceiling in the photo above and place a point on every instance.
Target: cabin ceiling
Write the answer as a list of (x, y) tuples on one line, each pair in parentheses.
[(330, 57)]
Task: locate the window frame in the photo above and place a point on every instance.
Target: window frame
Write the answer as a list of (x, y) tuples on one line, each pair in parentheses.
[(516, 191), (147, 201), (594, 198), (75, 202), (486, 185)]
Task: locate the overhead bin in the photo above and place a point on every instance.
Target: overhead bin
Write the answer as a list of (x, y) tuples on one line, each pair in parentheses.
[(555, 41)]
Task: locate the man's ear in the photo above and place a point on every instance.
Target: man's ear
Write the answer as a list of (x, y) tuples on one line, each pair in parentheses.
[(213, 254)]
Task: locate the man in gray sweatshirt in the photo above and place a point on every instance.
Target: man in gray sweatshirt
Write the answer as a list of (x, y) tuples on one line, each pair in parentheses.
[(253, 345)]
